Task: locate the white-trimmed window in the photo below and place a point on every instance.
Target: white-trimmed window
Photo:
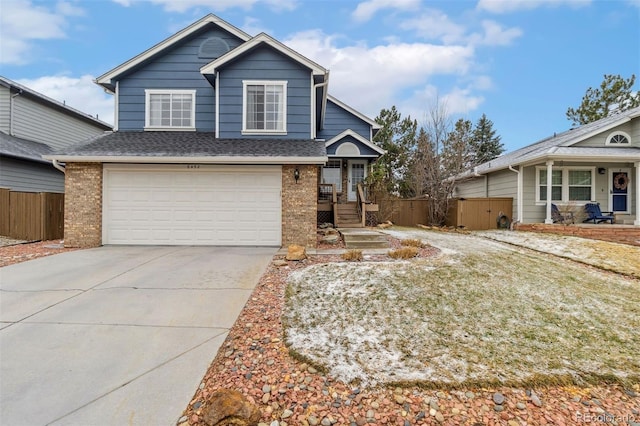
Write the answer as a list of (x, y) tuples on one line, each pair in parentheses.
[(618, 139), (170, 109), (264, 107), (567, 184), (332, 173)]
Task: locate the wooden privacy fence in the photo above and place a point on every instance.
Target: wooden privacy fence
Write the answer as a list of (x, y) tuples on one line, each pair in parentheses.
[(31, 215), (479, 214), (404, 212)]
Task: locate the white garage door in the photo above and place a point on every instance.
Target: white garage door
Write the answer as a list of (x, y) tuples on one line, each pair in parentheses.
[(192, 205)]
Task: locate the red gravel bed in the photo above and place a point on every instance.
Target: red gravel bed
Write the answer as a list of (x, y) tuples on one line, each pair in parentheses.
[(255, 361), (17, 253)]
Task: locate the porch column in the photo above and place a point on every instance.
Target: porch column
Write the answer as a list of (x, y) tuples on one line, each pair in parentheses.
[(549, 219), (636, 222)]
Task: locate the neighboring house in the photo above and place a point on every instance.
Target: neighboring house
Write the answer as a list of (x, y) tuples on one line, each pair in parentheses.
[(599, 162), (220, 139), (33, 125)]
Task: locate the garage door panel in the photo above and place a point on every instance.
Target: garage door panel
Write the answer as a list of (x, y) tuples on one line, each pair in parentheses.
[(206, 206)]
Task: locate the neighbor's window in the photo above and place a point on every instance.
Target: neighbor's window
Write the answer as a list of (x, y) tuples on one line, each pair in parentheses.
[(618, 138), (332, 173), (265, 107), (579, 185), (170, 109), (556, 185), (568, 184)]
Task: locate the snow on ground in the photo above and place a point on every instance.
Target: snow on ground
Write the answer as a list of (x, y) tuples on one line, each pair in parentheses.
[(482, 311)]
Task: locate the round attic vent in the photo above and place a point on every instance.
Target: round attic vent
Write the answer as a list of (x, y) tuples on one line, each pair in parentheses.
[(213, 48)]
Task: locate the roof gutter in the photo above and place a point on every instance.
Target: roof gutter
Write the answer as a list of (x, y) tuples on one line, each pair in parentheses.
[(57, 165), (323, 107), (186, 160)]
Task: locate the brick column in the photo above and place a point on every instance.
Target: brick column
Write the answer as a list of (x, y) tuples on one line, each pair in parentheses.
[(83, 205), (299, 205)]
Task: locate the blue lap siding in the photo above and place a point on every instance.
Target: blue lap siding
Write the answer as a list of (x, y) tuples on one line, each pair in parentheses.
[(178, 68)]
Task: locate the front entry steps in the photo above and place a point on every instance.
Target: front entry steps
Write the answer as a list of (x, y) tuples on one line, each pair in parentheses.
[(360, 238), (348, 216)]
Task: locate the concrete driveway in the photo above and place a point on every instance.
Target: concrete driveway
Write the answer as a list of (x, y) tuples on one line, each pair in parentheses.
[(117, 335)]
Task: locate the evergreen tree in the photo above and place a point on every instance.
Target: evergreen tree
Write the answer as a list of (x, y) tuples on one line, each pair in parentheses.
[(396, 136), (615, 94), (485, 144)]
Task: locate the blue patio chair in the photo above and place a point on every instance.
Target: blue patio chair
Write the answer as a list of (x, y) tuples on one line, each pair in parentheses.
[(557, 216), (595, 215)]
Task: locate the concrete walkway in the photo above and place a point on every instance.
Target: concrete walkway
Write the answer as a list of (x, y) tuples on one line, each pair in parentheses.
[(117, 335)]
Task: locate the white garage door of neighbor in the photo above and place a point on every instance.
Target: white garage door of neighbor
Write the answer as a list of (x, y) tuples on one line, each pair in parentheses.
[(192, 205)]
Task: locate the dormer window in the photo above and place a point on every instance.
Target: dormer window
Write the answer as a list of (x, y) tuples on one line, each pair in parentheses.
[(618, 139), (264, 107), (170, 109)]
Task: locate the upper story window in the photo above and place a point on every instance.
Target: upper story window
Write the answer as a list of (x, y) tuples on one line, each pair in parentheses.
[(567, 184), (264, 107), (170, 109), (618, 139)]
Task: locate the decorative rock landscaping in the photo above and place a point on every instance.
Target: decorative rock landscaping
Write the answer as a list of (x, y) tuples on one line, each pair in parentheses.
[(288, 391)]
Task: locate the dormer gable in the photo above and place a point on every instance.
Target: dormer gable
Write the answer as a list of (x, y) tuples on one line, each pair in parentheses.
[(108, 79)]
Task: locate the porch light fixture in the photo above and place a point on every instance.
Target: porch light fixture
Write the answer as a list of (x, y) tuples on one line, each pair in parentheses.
[(601, 170), (296, 175)]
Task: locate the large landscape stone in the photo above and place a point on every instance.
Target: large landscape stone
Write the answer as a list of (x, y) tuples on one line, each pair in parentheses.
[(229, 407)]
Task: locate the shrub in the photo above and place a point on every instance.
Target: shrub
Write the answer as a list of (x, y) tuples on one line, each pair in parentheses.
[(404, 253), (352, 255), (413, 243)]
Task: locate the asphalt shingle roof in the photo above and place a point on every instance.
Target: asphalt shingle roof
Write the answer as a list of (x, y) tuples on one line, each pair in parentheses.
[(22, 148), (189, 144), (561, 144)]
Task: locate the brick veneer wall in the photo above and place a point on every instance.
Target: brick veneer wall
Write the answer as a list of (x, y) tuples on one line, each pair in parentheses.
[(626, 234), (299, 205), (83, 205)]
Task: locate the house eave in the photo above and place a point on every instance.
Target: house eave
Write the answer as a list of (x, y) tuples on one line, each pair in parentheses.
[(106, 79), (353, 111), (187, 160), (357, 137)]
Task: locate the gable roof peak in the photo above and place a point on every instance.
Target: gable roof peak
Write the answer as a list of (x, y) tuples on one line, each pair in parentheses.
[(106, 79), (250, 44)]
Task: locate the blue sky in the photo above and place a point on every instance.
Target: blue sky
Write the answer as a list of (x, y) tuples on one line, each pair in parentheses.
[(522, 63)]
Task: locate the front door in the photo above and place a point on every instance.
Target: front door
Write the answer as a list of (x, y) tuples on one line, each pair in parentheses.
[(357, 173), (619, 190)]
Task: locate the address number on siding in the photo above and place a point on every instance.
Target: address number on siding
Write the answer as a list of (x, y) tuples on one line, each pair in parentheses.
[(193, 166)]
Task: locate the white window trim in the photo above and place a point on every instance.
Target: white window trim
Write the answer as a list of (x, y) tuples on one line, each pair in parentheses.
[(616, 133), (246, 83), (565, 184), (147, 109), (338, 190)]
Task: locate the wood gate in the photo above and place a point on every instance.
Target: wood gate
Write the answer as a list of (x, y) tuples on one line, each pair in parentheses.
[(479, 214)]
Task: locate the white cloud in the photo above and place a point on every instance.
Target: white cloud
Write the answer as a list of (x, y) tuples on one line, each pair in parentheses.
[(80, 93), (21, 22), (506, 6), (495, 35), (370, 78), (182, 6), (253, 26), (365, 10), (434, 24), (458, 101)]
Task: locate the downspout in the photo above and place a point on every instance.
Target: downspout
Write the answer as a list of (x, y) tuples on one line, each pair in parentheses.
[(325, 83), (11, 108), (519, 192), (57, 165)]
